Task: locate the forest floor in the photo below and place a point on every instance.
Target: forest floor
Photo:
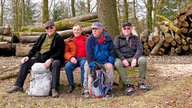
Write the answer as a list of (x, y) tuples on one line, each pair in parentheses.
[(170, 78)]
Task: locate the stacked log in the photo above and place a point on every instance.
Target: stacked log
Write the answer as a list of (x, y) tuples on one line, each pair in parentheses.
[(30, 34), (173, 38)]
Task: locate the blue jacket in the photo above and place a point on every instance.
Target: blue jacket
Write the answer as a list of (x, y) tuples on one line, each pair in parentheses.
[(100, 53)]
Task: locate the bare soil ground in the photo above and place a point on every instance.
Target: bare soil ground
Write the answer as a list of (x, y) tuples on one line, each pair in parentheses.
[(170, 78)]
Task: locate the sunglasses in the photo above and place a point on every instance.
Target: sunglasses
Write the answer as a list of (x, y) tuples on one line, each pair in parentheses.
[(47, 28), (126, 28)]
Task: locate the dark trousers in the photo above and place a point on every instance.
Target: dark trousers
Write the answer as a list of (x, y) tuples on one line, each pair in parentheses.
[(25, 69)]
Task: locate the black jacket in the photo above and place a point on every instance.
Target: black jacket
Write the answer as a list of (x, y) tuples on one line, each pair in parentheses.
[(128, 48), (55, 52)]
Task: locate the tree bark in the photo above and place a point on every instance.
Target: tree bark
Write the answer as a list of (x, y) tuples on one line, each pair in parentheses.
[(63, 24), (45, 11), (107, 14), (23, 49), (158, 46)]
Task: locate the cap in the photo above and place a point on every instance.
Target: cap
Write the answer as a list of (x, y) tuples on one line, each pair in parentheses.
[(126, 24), (49, 23), (96, 25)]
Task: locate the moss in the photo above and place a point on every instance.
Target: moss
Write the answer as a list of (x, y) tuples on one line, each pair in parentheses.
[(24, 29), (37, 30), (15, 34)]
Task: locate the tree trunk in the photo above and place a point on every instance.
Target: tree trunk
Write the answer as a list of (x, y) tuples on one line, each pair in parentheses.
[(88, 6), (67, 33), (149, 14), (73, 8), (156, 35), (158, 46), (45, 11), (107, 14), (23, 49), (64, 24), (144, 35), (125, 14), (2, 12)]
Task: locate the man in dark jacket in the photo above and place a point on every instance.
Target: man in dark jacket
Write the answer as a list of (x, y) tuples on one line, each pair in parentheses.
[(129, 52), (48, 49)]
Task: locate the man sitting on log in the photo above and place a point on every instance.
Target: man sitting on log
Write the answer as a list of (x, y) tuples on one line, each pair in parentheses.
[(48, 49), (75, 55), (129, 52)]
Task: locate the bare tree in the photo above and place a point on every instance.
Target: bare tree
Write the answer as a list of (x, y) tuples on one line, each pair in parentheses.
[(149, 6), (45, 12), (73, 7), (2, 11), (126, 13), (23, 12), (107, 14), (16, 15), (88, 6)]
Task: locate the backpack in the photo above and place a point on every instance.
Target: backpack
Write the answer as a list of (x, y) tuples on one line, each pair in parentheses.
[(40, 84), (96, 87)]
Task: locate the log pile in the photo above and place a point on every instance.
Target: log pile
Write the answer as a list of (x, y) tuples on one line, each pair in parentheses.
[(172, 37), (30, 34)]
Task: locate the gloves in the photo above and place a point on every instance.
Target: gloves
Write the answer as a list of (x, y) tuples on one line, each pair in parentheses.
[(93, 73)]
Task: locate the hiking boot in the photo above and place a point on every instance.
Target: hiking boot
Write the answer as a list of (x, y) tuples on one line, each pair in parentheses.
[(130, 89), (86, 95), (70, 89), (54, 93), (15, 89), (109, 94), (144, 87)]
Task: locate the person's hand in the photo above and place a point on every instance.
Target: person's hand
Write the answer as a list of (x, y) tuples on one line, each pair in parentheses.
[(125, 63), (73, 60), (133, 63), (24, 59), (48, 63)]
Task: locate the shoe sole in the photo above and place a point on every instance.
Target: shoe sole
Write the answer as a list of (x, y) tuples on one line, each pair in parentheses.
[(145, 89), (15, 91), (55, 96), (129, 93)]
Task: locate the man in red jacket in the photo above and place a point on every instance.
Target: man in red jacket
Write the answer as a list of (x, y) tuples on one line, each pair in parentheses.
[(75, 55)]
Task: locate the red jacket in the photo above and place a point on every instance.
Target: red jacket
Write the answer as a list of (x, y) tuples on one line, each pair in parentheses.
[(75, 47)]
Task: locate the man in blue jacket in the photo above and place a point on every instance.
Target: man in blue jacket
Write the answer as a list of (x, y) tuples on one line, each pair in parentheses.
[(99, 51), (48, 49), (129, 52)]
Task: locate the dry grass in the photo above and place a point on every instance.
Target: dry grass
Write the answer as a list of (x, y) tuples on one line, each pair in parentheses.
[(170, 89)]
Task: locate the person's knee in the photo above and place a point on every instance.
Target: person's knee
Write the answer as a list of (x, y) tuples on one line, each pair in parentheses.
[(56, 63), (142, 61), (117, 62)]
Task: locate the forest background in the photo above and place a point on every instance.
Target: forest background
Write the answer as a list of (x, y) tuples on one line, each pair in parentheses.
[(170, 77), (142, 13)]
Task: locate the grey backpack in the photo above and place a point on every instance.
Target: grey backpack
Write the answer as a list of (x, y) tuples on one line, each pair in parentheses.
[(40, 84)]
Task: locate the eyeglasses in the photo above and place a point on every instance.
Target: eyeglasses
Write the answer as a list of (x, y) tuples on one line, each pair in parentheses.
[(47, 28), (126, 28)]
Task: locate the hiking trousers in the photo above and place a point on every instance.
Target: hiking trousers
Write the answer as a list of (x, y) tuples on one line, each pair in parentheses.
[(141, 64), (26, 67), (107, 79)]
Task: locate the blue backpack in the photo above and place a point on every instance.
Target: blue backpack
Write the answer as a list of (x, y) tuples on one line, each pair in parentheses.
[(96, 87)]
